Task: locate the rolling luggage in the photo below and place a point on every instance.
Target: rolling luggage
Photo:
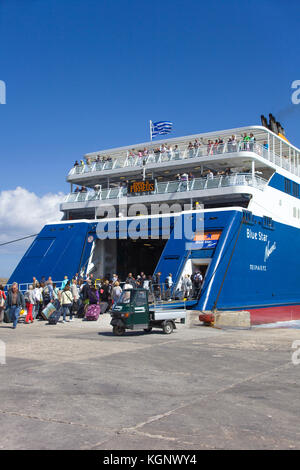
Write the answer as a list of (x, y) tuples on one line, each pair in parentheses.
[(7, 318), (55, 316), (103, 307), (50, 308), (81, 311), (93, 312)]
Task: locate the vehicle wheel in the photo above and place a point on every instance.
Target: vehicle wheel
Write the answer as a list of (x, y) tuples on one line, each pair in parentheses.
[(118, 330), (168, 328), (148, 330)]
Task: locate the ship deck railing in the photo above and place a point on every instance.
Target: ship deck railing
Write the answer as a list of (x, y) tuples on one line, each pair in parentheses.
[(165, 187), (288, 162), (24, 286)]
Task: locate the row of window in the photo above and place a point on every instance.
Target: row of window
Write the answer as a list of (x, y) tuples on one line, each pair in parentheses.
[(292, 188)]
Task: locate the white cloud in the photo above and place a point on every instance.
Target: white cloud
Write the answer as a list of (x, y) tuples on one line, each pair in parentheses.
[(23, 213)]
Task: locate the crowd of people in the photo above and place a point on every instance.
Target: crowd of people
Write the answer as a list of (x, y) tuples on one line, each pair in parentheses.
[(167, 152), (77, 292), (197, 148)]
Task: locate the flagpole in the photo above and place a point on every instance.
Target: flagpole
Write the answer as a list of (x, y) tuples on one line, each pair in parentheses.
[(150, 122)]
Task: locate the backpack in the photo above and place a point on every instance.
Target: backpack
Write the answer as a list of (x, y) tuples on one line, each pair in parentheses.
[(92, 297), (46, 294)]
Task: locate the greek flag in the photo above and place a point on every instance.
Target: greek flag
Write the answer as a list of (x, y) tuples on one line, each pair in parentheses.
[(160, 128)]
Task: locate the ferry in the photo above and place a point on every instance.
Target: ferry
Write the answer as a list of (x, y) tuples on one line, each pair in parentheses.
[(226, 204)]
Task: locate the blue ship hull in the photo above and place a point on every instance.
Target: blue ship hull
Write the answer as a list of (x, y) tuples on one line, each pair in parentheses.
[(253, 261)]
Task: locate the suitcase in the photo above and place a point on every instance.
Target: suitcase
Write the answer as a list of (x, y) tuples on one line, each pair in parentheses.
[(55, 316), (50, 308), (7, 318), (103, 307), (82, 310), (93, 312)]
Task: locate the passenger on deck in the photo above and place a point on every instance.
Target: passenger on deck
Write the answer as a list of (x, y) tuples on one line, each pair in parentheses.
[(176, 152), (209, 175), (184, 181), (252, 141), (209, 147), (191, 150), (232, 144), (246, 140), (220, 146)]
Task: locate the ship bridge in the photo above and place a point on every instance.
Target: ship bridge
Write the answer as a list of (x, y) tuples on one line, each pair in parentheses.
[(215, 169)]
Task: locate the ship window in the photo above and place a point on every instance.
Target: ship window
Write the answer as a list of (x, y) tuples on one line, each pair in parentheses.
[(296, 190), (287, 185), (294, 212)]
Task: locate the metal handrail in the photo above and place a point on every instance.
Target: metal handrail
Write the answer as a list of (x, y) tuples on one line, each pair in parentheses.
[(221, 181), (203, 150)]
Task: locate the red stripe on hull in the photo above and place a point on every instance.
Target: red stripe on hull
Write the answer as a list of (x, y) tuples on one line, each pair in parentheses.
[(274, 314)]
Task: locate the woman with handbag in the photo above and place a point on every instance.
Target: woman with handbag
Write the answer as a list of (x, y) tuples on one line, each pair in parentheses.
[(67, 302), (2, 303)]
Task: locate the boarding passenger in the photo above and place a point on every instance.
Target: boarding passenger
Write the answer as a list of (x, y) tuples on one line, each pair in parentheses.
[(15, 302), (2, 302), (168, 284), (116, 292), (30, 301), (67, 302)]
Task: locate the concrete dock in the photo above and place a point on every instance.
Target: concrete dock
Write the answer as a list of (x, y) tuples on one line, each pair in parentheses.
[(76, 386)]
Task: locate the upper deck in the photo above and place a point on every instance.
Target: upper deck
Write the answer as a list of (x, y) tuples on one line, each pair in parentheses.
[(170, 155)]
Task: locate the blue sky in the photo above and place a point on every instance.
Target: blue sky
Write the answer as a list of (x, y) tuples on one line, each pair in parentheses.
[(82, 75)]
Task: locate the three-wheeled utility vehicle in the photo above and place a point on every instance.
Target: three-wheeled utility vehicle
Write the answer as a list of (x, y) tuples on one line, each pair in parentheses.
[(132, 312)]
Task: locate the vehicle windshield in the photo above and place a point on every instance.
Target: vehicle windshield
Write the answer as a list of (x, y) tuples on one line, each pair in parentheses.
[(125, 297)]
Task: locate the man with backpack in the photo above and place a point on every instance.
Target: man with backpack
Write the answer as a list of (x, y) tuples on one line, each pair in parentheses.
[(47, 294), (197, 282)]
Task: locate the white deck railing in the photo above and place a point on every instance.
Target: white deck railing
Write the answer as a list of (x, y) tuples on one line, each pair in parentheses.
[(221, 181), (291, 164)]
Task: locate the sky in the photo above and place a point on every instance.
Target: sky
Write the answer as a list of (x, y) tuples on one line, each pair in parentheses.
[(86, 75)]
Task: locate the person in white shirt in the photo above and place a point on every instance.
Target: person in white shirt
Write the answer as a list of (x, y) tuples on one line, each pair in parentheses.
[(67, 302), (37, 294)]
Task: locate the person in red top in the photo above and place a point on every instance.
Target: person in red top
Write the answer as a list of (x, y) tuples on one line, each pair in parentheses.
[(2, 303)]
